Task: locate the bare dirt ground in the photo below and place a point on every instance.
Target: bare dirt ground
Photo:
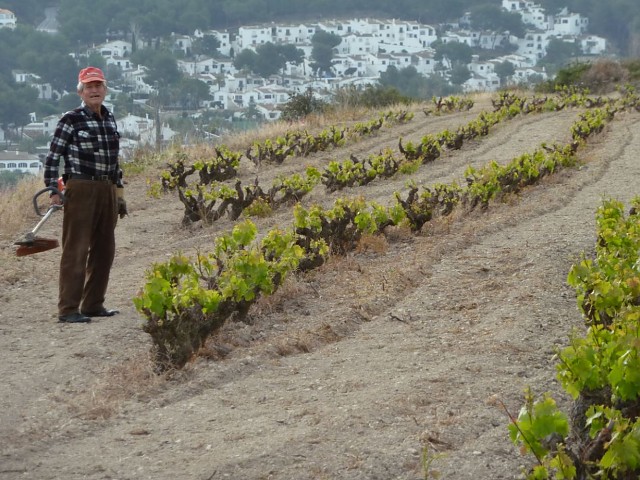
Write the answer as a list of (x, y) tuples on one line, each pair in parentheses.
[(354, 371)]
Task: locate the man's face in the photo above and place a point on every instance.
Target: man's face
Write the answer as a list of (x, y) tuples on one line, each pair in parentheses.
[(93, 95)]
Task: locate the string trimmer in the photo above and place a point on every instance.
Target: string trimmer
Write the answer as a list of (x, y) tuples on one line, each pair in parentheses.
[(30, 243)]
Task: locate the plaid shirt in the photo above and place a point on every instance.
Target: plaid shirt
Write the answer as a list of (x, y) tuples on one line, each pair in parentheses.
[(88, 144)]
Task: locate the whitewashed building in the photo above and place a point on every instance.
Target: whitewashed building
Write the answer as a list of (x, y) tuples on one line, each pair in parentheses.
[(7, 18), (20, 162), (424, 62), (531, 13), (566, 23), (592, 44), (116, 48), (481, 83)]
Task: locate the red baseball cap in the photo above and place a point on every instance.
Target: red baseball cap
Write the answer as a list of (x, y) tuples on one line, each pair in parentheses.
[(91, 74)]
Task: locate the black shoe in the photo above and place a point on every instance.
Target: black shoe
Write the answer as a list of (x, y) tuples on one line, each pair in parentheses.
[(74, 318), (103, 312)]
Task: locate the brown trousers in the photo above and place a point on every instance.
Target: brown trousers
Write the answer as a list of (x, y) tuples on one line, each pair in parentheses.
[(88, 245)]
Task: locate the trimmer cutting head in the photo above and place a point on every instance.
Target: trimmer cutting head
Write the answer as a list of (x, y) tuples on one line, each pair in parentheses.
[(30, 243)]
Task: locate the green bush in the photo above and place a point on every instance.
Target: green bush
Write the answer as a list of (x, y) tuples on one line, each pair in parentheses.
[(566, 77), (302, 104)]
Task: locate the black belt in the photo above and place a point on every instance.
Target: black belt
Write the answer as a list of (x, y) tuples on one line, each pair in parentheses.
[(97, 178)]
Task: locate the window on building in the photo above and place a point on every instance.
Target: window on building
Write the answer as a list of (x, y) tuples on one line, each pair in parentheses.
[(11, 165)]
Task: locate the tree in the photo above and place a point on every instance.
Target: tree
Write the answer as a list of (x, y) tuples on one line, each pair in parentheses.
[(552, 7), (407, 81), (69, 101), (292, 54), (322, 51), (460, 74), (301, 105), (123, 104), (84, 26), (612, 21), (245, 60), (492, 17), (559, 54), (269, 61), (162, 67), (189, 92), (438, 86), (455, 52), (504, 70), (238, 12), (16, 102), (206, 45)]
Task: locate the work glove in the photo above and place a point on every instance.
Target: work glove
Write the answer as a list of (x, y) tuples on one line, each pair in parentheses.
[(122, 203)]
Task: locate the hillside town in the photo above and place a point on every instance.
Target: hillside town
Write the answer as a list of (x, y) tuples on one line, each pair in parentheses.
[(368, 47)]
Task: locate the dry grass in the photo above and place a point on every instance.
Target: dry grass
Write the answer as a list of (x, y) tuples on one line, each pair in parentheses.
[(305, 341), (372, 243), (132, 379), (17, 218), (16, 207)]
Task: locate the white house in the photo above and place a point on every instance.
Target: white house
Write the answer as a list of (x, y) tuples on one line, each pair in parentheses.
[(21, 76), (120, 62), (269, 111), (350, 65), (116, 48), (252, 36), (527, 74), (480, 68), (206, 66), (461, 36), (424, 62), (182, 43), (491, 40), (379, 63), (356, 43), (566, 23), (45, 90), (531, 13), (223, 37), (45, 128), (7, 18), (592, 44), (261, 95), (534, 44), (407, 34), (292, 34), (484, 83), (132, 126), (22, 162)]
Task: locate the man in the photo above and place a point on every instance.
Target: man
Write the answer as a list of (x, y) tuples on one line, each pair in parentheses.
[(87, 139)]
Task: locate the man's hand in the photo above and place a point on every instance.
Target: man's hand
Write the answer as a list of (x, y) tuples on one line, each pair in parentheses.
[(122, 203), (55, 199)]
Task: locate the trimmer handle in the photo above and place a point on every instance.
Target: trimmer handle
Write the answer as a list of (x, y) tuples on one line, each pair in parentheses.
[(53, 190)]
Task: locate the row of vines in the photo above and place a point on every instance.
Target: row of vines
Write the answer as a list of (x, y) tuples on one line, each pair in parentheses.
[(202, 189), (599, 369)]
